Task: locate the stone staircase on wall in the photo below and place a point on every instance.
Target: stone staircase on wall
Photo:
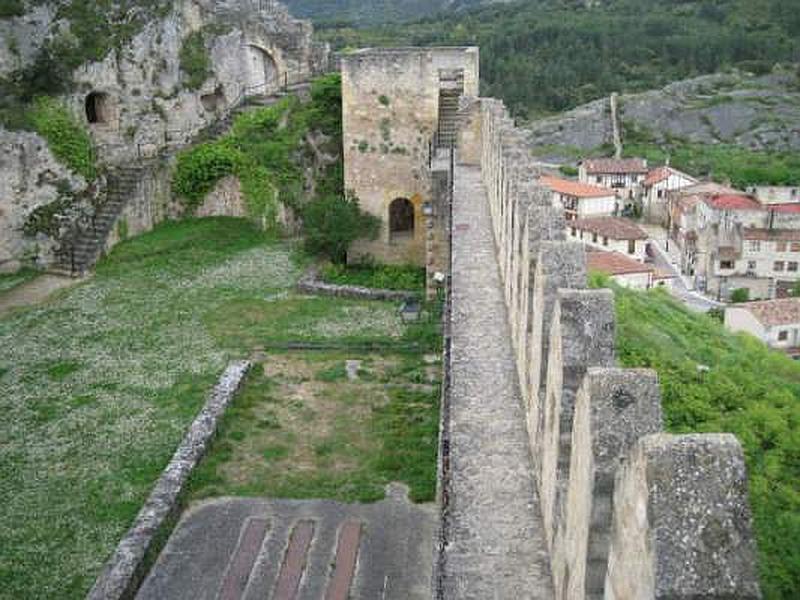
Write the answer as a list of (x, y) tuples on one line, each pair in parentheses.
[(251, 102), (85, 243), (449, 94)]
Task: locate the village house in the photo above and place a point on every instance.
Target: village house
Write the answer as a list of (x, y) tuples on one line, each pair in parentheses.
[(655, 191), (610, 233), (626, 271), (775, 194), (581, 200), (774, 322), (624, 175), (765, 259), (728, 240)]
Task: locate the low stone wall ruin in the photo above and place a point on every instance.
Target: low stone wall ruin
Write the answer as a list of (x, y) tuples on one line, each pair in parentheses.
[(310, 283), (628, 510), (125, 570)]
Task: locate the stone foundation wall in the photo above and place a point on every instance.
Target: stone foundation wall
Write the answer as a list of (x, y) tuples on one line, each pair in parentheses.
[(628, 511)]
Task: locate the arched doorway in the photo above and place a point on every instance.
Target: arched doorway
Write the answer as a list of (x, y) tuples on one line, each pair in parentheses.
[(401, 219), (263, 70), (98, 108)]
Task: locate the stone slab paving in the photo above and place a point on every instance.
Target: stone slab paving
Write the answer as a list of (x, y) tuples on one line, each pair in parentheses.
[(497, 548), (259, 549)]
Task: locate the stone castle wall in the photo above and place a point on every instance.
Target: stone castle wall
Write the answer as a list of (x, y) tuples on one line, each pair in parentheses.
[(628, 511), (390, 103)]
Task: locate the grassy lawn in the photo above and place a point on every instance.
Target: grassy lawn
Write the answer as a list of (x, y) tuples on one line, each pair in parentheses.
[(302, 429), (9, 281), (750, 391), (98, 385)]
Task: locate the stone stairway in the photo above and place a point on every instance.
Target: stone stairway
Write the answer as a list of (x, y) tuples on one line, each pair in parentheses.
[(448, 112), (252, 102), (85, 243)]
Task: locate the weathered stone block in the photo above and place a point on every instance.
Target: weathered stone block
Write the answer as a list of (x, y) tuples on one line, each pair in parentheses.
[(559, 265), (682, 525), (613, 409), (581, 336)]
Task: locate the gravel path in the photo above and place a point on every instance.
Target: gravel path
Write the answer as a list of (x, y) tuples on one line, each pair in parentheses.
[(34, 291), (497, 547)]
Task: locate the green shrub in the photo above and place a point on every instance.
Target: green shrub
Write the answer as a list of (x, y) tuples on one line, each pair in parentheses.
[(740, 295), (200, 168), (267, 150), (194, 59), (568, 170), (332, 223), (11, 8), (386, 277), (68, 140)]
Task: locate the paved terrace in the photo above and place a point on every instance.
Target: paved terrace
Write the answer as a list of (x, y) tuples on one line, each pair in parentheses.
[(496, 545)]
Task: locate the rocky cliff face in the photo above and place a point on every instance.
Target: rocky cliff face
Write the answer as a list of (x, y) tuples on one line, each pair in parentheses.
[(756, 112), (180, 73)]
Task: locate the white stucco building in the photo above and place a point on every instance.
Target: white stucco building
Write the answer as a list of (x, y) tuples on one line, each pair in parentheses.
[(611, 234), (623, 175), (581, 200), (775, 194), (655, 192), (774, 322), (626, 271)]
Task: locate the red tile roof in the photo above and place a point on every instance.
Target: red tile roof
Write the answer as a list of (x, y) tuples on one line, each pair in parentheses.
[(612, 227), (661, 173), (766, 235), (616, 166), (574, 188), (614, 263), (783, 311), (733, 202), (707, 187), (789, 207)]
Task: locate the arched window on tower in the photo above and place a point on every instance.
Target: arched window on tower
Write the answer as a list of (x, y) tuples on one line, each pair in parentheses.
[(401, 219)]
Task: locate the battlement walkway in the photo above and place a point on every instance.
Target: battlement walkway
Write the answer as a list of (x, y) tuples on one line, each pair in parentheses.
[(496, 543)]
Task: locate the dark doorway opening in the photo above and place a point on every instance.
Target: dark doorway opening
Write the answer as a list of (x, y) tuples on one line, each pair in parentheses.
[(401, 218)]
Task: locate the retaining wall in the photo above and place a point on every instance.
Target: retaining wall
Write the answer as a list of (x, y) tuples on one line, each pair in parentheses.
[(629, 511)]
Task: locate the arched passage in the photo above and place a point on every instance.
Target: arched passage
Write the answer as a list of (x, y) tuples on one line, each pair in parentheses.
[(401, 219), (263, 69), (98, 108)]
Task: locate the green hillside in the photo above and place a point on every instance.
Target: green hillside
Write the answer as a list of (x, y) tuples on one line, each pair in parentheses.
[(544, 56), (748, 390)]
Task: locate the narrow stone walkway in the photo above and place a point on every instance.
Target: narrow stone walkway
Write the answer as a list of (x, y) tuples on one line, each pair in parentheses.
[(497, 547)]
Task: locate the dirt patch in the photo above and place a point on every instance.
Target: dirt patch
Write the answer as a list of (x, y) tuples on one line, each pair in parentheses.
[(303, 428), (34, 292)]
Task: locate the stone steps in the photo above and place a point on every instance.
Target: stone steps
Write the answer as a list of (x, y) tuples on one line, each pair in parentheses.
[(89, 241)]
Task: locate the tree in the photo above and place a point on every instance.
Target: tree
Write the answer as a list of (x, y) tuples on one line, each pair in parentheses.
[(332, 223)]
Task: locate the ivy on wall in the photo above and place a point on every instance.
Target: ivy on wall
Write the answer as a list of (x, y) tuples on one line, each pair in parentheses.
[(266, 150), (194, 59), (67, 139)]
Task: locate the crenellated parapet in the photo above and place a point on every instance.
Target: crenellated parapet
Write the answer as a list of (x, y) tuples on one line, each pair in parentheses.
[(628, 511)]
